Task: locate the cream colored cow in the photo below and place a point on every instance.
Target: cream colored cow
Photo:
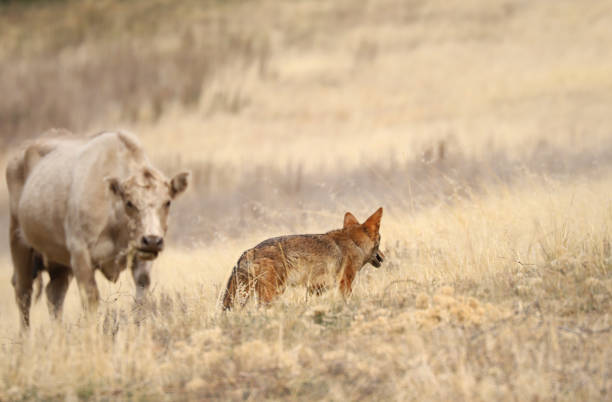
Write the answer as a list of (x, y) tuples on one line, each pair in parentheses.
[(83, 204)]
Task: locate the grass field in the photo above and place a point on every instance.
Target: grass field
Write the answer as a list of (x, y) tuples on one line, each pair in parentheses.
[(483, 129)]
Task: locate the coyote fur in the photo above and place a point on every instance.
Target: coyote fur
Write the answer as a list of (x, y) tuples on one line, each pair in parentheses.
[(314, 260)]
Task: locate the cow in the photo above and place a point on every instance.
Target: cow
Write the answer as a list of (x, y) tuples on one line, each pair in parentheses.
[(81, 204)]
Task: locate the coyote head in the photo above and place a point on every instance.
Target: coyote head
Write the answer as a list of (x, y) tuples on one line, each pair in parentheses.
[(366, 236)]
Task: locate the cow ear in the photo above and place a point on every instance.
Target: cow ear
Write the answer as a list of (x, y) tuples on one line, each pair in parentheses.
[(114, 185), (350, 220), (372, 224), (179, 183)]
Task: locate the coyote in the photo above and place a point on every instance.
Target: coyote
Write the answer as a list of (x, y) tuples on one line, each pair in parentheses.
[(314, 260)]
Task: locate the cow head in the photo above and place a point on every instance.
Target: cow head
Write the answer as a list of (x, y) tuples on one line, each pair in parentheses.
[(143, 203)]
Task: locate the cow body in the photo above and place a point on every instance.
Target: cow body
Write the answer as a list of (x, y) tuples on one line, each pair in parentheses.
[(81, 205)]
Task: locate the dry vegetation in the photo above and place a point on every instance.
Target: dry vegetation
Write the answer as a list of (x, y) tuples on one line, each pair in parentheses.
[(483, 128)]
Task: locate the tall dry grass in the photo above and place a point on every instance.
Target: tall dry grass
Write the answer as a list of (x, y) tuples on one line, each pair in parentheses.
[(483, 128), (500, 296)]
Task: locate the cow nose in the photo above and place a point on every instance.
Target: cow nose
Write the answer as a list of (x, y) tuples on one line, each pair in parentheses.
[(153, 242)]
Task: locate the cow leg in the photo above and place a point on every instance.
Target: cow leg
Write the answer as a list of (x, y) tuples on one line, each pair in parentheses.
[(85, 277), (56, 289), (23, 272), (141, 272)]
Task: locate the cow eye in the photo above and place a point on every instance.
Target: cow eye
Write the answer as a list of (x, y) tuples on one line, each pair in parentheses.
[(167, 204)]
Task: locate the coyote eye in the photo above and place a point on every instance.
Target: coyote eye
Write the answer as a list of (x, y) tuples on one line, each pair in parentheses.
[(167, 204), (129, 205)]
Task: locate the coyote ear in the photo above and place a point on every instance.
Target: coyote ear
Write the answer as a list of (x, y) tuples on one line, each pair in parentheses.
[(372, 224), (350, 220), (114, 186)]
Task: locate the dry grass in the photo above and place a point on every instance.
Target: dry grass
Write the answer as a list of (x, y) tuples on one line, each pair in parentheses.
[(483, 128), (505, 296)]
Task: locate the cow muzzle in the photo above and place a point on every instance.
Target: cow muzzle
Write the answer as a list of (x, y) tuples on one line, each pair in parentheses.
[(150, 247)]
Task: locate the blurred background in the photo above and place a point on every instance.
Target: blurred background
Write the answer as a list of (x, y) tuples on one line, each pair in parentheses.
[(288, 113)]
